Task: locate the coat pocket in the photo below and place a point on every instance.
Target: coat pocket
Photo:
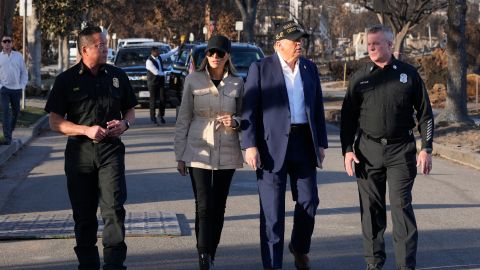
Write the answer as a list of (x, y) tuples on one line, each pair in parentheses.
[(229, 147), (201, 99)]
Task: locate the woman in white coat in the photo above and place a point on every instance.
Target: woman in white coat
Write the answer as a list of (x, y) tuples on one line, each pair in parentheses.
[(207, 143)]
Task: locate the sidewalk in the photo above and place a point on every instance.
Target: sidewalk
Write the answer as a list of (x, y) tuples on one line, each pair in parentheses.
[(22, 136)]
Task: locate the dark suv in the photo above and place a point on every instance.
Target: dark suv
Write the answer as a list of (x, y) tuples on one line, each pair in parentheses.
[(190, 56), (132, 60)]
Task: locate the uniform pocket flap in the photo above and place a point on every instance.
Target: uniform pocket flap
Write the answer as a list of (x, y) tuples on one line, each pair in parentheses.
[(77, 96), (201, 92), (233, 93)]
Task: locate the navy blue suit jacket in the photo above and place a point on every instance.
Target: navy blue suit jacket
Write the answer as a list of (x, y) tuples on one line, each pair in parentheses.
[(266, 110)]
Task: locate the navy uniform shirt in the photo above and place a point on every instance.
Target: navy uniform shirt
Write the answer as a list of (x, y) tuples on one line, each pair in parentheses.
[(90, 100), (381, 103)]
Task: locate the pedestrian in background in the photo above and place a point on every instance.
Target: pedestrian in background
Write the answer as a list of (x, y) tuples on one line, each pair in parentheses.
[(13, 79), (98, 103), (206, 141), (376, 134), (284, 133), (156, 83)]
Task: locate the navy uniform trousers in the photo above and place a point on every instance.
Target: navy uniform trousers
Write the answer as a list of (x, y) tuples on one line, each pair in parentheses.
[(300, 165), (396, 164), (96, 177)]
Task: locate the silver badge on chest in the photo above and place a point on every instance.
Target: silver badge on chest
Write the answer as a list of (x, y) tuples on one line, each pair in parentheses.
[(403, 78), (116, 83)]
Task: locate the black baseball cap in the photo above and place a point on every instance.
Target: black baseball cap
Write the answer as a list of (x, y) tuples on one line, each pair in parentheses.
[(221, 43), (290, 30)]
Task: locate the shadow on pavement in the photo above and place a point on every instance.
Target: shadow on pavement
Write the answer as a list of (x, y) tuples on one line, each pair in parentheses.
[(335, 253)]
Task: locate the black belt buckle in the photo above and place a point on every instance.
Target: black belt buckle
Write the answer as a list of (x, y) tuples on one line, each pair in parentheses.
[(383, 141)]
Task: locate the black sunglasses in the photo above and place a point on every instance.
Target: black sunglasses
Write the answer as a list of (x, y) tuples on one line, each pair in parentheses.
[(6, 40), (219, 53)]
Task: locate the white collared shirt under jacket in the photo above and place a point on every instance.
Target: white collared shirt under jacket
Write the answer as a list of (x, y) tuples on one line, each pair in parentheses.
[(296, 98)]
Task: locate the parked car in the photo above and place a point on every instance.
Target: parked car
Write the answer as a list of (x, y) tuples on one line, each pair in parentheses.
[(72, 47), (190, 56), (132, 41), (132, 58), (111, 56)]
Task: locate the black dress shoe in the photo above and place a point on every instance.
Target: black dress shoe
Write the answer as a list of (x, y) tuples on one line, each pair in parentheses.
[(204, 261), (162, 120), (301, 260)]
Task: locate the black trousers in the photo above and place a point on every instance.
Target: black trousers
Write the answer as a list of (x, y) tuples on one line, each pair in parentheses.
[(157, 93), (210, 188), (96, 177), (395, 164)]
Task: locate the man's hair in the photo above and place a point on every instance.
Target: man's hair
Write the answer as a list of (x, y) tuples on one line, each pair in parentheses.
[(85, 36), (387, 31), (5, 35), (153, 49)]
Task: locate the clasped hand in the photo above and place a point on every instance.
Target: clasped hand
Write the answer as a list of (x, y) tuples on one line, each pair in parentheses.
[(114, 129)]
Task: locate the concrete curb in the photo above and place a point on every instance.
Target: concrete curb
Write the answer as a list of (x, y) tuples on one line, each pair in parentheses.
[(7, 151), (452, 153)]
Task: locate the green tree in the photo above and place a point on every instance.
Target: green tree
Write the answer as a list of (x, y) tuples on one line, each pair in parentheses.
[(60, 18)]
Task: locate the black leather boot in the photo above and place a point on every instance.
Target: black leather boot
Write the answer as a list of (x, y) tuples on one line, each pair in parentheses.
[(204, 261)]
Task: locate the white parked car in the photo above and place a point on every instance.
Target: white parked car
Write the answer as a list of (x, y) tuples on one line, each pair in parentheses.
[(129, 41)]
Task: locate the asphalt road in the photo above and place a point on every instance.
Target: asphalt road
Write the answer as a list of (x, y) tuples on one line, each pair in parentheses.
[(447, 204)]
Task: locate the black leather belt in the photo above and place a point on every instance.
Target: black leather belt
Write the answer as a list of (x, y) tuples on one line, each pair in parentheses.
[(303, 125), (82, 138), (298, 127), (387, 141)]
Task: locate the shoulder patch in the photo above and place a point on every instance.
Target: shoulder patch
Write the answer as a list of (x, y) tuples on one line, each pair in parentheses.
[(115, 82)]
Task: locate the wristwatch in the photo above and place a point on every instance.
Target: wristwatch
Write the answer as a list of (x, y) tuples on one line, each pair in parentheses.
[(427, 150), (127, 124)]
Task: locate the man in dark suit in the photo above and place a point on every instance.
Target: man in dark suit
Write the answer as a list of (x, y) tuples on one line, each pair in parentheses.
[(284, 133), (155, 81)]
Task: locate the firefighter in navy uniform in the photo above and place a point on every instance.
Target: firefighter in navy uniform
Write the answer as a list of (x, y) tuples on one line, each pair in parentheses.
[(376, 134), (98, 103)]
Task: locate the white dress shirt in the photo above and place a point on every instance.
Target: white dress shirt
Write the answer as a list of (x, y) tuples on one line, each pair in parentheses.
[(296, 98), (13, 73), (153, 69)]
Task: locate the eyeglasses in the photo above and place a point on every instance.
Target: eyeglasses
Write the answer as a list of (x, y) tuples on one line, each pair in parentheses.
[(219, 53), (99, 45), (6, 41)]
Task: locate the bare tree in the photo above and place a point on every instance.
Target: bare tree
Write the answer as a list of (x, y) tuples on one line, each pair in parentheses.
[(7, 8), (456, 101), (402, 15), (248, 10), (34, 47)]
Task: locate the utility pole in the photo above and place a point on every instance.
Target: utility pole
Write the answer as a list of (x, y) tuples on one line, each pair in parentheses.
[(25, 10)]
